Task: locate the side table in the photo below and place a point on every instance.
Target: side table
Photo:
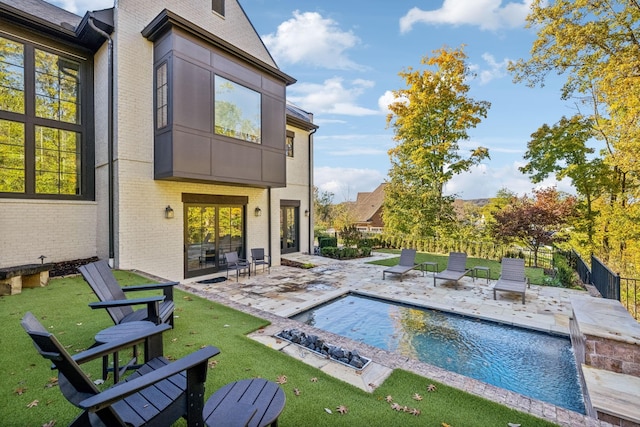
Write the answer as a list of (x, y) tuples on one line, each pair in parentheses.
[(253, 402), (115, 333), (487, 272), (424, 266)]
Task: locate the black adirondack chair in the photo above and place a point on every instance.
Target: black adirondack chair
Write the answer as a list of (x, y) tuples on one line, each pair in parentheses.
[(157, 394), (112, 296)]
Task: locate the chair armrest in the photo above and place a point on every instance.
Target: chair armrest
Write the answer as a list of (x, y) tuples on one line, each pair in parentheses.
[(127, 388), (149, 286), (125, 302), (127, 342)]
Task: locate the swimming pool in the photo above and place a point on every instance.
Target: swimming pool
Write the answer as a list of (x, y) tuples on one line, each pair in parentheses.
[(535, 364)]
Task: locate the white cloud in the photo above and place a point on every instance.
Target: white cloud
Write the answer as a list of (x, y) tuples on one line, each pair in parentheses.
[(333, 96), (387, 99), (346, 183), (486, 14), (491, 69), (310, 39), (484, 182), (80, 7)]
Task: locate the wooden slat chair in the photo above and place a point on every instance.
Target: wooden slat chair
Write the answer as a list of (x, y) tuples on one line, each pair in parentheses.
[(456, 268), (258, 257), (157, 394), (112, 296), (512, 277), (406, 264)]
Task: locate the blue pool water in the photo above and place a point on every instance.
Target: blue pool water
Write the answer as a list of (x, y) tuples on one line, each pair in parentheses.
[(535, 364)]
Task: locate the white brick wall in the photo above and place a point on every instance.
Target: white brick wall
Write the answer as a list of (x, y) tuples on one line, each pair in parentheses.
[(59, 230)]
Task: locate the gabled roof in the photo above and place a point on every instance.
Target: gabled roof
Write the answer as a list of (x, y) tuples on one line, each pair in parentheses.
[(367, 204)]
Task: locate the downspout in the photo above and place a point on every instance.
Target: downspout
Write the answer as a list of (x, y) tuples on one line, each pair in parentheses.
[(269, 221), (109, 138), (311, 207)]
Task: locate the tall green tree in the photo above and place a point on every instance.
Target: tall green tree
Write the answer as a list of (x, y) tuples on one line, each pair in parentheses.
[(430, 117), (596, 46), (323, 206), (563, 150)]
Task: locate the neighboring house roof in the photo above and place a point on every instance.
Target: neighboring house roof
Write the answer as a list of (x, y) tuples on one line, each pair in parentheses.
[(45, 11), (367, 204)]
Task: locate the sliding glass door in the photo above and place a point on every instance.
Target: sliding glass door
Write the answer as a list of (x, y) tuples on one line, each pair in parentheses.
[(211, 231)]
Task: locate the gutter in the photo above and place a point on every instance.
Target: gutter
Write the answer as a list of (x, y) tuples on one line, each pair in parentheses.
[(110, 142)]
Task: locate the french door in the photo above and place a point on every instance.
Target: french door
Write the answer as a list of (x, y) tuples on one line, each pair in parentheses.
[(210, 231), (289, 229)]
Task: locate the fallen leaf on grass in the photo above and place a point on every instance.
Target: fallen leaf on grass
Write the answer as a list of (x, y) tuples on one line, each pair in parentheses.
[(342, 409), (431, 387), (282, 379), (187, 298), (389, 399), (99, 381), (328, 411), (296, 391), (49, 424), (513, 425), (79, 324), (314, 380), (53, 381), (396, 407), (20, 391), (416, 396), (415, 412), (213, 363), (33, 403)]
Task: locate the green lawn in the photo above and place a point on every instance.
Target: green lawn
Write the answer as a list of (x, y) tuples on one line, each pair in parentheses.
[(62, 307), (535, 275)]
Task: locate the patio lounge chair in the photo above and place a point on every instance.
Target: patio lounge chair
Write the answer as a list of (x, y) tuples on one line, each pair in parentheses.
[(456, 268), (112, 296), (236, 263), (512, 278), (406, 264), (259, 258), (158, 393)]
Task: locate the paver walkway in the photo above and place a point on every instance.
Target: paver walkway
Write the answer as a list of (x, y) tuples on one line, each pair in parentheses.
[(288, 290)]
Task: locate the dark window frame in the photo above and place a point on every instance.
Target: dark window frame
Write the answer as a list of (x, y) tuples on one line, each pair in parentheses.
[(288, 146), (167, 94), (30, 120), (217, 6)]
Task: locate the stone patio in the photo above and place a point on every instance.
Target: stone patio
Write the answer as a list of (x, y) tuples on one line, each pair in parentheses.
[(287, 291)]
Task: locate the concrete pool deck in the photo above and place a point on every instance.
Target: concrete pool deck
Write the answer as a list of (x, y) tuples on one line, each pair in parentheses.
[(287, 291)]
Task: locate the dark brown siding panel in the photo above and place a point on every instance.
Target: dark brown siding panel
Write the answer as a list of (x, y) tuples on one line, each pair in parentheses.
[(162, 47), (274, 169), (191, 154), (192, 94), (273, 87), (238, 162), (273, 123), (163, 155), (192, 49), (236, 72)]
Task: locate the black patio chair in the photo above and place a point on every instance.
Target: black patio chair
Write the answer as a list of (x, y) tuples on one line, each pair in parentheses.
[(156, 394)]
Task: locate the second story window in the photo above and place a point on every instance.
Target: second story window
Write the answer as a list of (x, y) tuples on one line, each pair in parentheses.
[(288, 147), (41, 131), (218, 6), (162, 89), (237, 111)]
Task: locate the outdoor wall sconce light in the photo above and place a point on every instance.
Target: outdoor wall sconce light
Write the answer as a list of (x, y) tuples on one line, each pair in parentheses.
[(258, 211), (168, 212), (306, 212)]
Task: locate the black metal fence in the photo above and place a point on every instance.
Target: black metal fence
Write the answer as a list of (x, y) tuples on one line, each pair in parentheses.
[(609, 284)]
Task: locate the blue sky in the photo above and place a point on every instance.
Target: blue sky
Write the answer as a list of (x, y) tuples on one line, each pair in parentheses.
[(346, 56)]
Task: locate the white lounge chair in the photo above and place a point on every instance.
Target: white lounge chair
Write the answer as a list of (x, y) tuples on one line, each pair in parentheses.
[(406, 264), (456, 268), (512, 278)]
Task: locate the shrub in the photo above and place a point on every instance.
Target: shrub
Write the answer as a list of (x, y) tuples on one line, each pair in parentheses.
[(327, 241)]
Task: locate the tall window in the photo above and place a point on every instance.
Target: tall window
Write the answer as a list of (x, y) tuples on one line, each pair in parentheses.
[(288, 147), (162, 89), (40, 127), (237, 111)]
